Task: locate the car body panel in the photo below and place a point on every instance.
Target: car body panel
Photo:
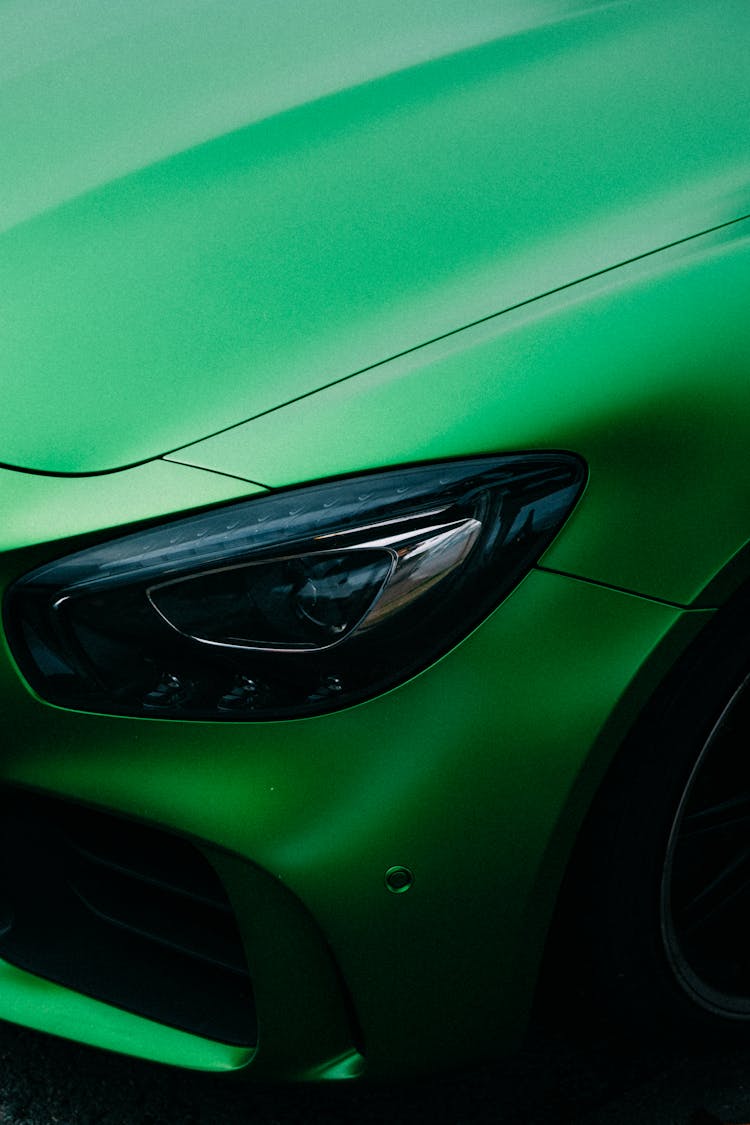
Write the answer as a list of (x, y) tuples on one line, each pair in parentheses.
[(166, 273), (465, 774), (643, 370), (38, 509), (33, 1002)]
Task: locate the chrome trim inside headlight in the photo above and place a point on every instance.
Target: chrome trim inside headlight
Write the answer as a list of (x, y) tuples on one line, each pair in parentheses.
[(291, 603)]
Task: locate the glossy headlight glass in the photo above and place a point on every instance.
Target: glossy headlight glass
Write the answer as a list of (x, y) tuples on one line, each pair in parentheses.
[(292, 603)]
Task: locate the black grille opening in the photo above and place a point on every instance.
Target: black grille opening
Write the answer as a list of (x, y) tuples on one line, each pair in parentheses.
[(123, 912)]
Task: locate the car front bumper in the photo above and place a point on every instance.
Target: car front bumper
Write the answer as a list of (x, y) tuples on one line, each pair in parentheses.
[(475, 775)]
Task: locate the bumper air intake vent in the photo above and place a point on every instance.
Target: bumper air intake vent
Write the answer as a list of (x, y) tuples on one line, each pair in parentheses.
[(126, 913)]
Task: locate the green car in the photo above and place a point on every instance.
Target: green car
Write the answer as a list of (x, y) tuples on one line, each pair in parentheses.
[(374, 510)]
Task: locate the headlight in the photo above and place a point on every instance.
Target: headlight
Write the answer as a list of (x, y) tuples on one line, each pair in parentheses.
[(293, 603)]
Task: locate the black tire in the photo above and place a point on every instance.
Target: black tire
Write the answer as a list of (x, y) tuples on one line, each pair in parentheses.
[(656, 907)]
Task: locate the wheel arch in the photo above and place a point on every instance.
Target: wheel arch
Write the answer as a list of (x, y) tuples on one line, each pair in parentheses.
[(684, 657)]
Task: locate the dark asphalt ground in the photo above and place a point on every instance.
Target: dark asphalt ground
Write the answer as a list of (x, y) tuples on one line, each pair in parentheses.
[(49, 1082)]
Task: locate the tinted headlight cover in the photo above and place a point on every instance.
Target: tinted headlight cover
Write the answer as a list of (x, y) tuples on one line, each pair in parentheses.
[(293, 603)]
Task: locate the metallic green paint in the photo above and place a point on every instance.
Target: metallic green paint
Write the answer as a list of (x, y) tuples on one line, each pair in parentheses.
[(33, 1002), (36, 509), (207, 211), (643, 370), (194, 232), (474, 758)]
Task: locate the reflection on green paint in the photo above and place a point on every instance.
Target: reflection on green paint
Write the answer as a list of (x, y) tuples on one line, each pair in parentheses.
[(244, 234), (42, 1004), (287, 241)]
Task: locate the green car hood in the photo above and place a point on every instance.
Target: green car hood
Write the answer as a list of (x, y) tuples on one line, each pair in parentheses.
[(208, 210)]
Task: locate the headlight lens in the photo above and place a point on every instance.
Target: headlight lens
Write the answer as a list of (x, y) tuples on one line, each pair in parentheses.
[(293, 603)]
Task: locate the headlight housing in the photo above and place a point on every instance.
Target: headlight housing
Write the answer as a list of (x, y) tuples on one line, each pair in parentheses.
[(292, 603)]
